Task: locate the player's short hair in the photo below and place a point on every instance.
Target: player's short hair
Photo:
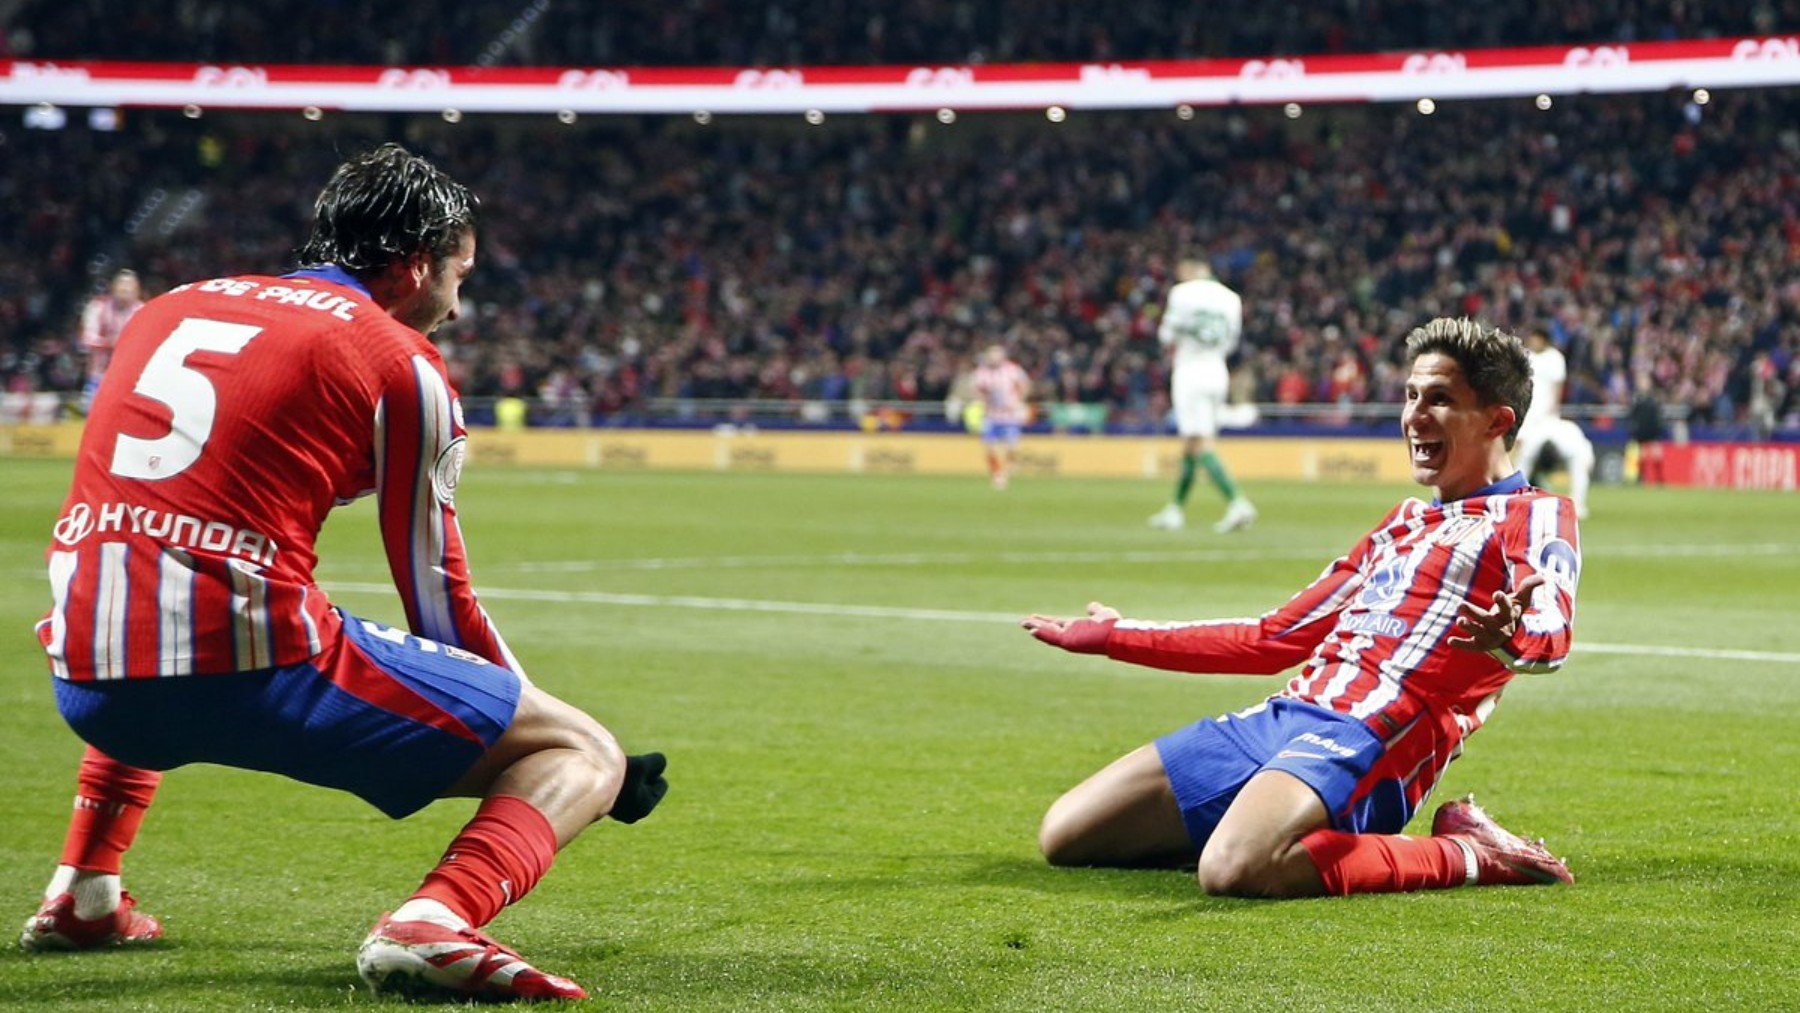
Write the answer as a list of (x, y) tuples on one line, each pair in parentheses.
[(1494, 362), (1193, 267), (384, 206)]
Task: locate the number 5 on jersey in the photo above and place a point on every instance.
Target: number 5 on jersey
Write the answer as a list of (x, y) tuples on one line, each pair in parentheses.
[(188, 394)]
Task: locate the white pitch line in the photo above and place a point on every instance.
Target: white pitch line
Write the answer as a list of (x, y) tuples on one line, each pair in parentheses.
[(953, 616), (1709, 653), (1652, 549), (847, 559), (714, 604), (915, 559)]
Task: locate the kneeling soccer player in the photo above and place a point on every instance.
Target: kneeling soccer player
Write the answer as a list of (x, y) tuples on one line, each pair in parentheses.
[(1406, 644), (186, 626)]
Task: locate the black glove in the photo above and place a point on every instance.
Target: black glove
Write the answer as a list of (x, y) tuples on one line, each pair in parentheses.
[(644, 787)]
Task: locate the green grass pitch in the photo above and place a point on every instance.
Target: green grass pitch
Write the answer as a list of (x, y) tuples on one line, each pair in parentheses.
[(857, 785)]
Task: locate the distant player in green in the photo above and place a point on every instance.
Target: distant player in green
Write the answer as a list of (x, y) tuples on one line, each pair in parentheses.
[(1200, 328)]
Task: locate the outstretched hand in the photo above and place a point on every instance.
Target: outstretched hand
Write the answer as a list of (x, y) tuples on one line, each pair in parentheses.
[(1481, 630), (1081, 636)]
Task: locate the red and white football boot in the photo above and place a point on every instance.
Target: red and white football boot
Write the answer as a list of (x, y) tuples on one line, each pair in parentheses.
[(1497, 856), (55, 927), (425, 959)]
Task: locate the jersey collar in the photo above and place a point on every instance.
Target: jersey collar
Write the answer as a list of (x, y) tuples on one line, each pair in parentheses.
[(334, 275), (1506, 486)]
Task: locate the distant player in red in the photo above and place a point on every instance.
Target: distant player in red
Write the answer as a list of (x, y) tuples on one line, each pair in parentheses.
[(102, 320), (186, 626), (1002, 388), (1404, 646)]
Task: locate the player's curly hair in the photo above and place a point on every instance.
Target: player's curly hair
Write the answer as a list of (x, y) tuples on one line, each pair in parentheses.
[(384, 206), (1494, 361)]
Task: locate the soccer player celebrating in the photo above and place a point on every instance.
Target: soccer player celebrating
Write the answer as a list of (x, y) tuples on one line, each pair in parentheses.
[(1405, 645), (1002, 387), (1200, 327), (186, 626)]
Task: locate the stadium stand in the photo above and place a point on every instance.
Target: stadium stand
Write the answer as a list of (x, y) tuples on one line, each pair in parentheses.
[(636, 260), (632, 259)]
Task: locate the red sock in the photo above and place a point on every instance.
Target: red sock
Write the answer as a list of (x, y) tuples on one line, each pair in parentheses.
[(110, 799), (499, 856), (1382, 863)]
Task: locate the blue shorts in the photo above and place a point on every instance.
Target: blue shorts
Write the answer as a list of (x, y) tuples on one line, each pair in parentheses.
[(1210, 762), (1000, 432), (389, 717)]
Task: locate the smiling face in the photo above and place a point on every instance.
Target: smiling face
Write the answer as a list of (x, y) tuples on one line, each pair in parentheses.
[(1455, 443)]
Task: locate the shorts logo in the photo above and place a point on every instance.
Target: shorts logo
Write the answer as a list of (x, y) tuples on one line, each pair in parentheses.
[(446, 474), (1329, 745), (77, 524)]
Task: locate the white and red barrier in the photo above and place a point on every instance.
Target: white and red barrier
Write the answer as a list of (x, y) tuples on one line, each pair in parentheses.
[(1771, 466), (1378, 77)]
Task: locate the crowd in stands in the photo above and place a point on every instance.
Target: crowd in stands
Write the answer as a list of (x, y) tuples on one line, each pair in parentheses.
[(871, 257), (817, 32)]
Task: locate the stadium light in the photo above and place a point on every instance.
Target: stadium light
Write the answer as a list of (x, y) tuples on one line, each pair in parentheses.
[(1056, 114), (1427, 107), (46, 116)]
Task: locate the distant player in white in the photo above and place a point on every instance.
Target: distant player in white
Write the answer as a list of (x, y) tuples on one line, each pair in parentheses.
[(1545, 426), (1200, 328)]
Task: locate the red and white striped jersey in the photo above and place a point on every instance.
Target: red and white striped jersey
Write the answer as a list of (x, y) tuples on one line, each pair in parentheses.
[(102, 321), (236, 414), (1003, 389), (1371, 630)]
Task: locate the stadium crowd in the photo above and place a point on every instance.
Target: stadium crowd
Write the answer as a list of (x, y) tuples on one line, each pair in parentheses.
[(799, 32), (870, 258)]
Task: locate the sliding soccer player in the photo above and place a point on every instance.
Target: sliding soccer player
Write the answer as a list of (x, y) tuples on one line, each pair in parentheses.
[(1404, 646)]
